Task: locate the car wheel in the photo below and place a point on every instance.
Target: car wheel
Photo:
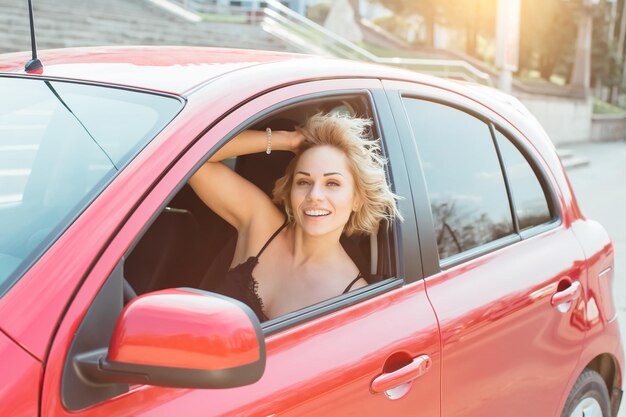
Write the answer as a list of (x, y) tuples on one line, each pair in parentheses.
[(589, 397)]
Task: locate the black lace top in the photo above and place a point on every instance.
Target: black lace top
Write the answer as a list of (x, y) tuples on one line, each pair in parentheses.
[(241, 285)]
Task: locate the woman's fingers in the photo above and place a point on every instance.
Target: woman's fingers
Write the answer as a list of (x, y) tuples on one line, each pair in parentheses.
[(295, 139)]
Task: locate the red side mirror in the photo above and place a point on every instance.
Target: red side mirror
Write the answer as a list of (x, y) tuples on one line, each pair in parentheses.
[(183, 338)]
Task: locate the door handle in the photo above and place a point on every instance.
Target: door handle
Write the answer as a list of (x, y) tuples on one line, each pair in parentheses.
[(386, 381), (569, 294)]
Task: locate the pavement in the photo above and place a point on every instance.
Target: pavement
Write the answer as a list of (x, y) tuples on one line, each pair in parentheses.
[(600, 188)]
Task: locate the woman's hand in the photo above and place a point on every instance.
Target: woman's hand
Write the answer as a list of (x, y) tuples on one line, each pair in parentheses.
[(294, 140)]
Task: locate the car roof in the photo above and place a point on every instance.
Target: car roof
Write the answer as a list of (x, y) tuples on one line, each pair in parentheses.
[(181, 70), (172, 69)]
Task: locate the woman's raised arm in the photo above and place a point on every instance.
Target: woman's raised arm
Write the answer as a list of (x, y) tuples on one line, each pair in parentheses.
[(231, 196), (256, 141)]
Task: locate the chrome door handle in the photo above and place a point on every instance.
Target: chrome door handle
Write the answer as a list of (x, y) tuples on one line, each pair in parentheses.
[(386, 381), (563, 299)]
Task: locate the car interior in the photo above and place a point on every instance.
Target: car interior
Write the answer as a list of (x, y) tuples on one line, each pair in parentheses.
[(188, 245)]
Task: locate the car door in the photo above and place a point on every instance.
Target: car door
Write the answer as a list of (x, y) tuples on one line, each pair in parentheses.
[(21, 378), (329, 359), (502, 267)]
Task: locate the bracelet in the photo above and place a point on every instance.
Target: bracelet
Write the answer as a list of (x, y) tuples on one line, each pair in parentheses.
[(268, 148)]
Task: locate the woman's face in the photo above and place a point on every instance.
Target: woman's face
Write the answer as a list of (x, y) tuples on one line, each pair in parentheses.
[(323, 192)]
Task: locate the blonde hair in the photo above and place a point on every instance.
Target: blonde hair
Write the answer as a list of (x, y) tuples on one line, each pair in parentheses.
[(349, 135)]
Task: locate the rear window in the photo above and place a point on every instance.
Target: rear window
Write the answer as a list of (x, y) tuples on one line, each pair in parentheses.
[(60, 145), (466, 188), (530, 200)]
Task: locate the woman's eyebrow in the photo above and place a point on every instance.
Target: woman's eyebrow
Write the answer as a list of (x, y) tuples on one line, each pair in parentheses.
[(325, 175)]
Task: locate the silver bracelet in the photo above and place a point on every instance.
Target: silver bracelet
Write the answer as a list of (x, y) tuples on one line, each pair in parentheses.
[(268, 148)]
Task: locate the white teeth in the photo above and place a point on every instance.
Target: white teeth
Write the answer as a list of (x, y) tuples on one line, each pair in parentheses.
[(316, 212)]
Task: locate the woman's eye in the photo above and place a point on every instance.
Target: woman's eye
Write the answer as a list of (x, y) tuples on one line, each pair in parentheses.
[(333, 184), (302, 182)]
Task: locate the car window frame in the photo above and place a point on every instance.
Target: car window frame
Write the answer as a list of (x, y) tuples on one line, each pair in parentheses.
[(490, 245), (431, 262), (400, 236), (531, 158)]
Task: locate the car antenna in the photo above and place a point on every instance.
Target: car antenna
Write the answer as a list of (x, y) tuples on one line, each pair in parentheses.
[(34, 64)]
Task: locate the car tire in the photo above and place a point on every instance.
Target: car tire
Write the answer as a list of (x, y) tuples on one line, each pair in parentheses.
[(589, 397)]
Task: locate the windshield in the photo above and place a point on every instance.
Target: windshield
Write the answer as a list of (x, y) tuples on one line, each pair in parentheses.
[(60, 145)]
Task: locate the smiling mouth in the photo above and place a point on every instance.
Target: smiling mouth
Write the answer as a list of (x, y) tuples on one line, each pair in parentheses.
[(316, 213)]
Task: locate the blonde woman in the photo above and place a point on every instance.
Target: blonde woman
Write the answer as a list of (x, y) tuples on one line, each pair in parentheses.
[(335, 184)]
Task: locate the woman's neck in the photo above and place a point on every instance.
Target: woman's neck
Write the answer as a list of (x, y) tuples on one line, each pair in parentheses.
[(314, 249)]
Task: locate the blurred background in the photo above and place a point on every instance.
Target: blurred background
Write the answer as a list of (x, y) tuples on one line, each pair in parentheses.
[(564, 59)]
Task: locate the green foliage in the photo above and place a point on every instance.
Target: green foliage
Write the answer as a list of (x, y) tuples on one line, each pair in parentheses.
[(477, 18), (318, 13), (432, 11), (602, 107), (548, 32), (605, 66), (474, 17), (393, 24), (548, 36)]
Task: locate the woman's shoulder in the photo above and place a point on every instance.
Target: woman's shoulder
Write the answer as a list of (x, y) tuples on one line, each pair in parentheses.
[(261, 229), (358, 282), (252, 238)]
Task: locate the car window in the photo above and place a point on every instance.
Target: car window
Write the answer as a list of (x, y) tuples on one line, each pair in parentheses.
[(60, 143), (529, 199), (466, 188), (195, 247)]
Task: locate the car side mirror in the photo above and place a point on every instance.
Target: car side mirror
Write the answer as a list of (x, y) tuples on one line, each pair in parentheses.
[(182, 338)]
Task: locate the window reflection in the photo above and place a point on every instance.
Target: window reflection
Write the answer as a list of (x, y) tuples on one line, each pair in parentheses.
[(531, 206), (465, 184), (60, 144), (458, 232)]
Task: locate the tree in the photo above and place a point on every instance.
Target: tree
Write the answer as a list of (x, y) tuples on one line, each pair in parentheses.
[(606, 65), (548, 30), (429, 10), (475, 17), (618, 36)]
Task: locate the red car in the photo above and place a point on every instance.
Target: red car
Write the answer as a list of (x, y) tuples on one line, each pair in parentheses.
[(492, 298)]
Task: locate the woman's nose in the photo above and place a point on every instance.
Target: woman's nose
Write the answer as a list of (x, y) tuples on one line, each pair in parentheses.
[(314, 193)]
